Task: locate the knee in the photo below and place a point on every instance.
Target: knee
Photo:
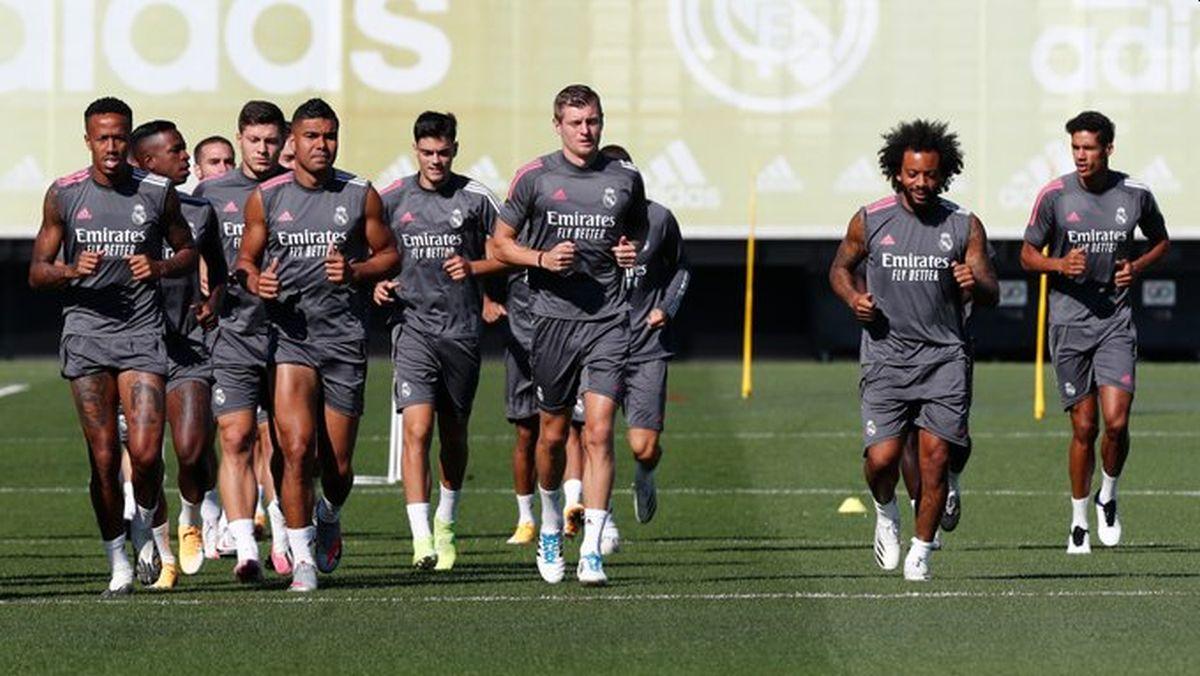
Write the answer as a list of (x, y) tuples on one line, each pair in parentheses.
[(1084, 431), (1116, 428), (644, 447), (552, 438), (237, 444)]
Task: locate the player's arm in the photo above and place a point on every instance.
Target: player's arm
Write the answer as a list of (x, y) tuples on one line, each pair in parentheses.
[(675, 264), (254, 245), (637, 224), (975, 275), (216, 272), (1037, 234), (851, 252), (184, 259), (510, 252), (45, 270), (489, 264), (1154, 227), (384, 260)]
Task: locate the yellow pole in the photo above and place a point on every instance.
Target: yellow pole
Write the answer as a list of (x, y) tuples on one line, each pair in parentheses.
[(748, 317), (1039, 380)]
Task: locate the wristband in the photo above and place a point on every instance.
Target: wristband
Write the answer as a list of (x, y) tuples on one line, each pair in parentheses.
[(540, 254)]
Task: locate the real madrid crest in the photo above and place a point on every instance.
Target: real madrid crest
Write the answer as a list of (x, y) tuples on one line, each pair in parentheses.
[(340, 216), (456, 219), (610, 197), (945, 243), (139, 214)]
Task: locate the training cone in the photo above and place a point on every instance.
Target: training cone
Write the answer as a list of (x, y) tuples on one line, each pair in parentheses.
[(852, 506)]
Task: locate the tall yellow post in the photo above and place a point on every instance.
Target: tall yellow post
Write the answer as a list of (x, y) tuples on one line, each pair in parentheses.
[(748, 317), (1039, 380)]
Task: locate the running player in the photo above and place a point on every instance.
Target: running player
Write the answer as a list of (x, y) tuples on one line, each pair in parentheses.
[(580, 210), (158, 147), (441, 222), (320, 236), (110, 221), (1087, 219), (924, 257), (239, 351), (213, 156), (520, 405)]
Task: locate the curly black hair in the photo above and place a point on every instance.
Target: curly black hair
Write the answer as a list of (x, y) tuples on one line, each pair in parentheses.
[(921, 135)]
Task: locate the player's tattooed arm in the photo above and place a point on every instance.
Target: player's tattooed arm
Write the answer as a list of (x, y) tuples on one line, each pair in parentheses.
[(45, 270), (851, 252), (976, 275), (179, 236), (384, 260), (254, 245)]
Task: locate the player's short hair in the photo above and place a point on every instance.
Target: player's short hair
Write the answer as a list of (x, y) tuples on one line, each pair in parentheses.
[(1095, 122), (146, 131), (431, 124), (260, 112), (921, 136), (108, 105), (216, 138), (315, 109), (615, 152), (576, 96)]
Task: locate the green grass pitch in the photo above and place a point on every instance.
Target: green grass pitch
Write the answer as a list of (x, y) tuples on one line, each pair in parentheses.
[(747, 565)]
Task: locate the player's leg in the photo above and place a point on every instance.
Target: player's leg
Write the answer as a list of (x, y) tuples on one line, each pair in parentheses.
[(418, 436), (910, 472), (524, 476), (96, 400), (1081, 464), (343, 378), (189, 409), (933, 458), (550, 461), (881, 468), (237, 433), (143, 399), (460, 362), (572, 486), (1115, 404), (645, 400), (296, 396), (959, 455)]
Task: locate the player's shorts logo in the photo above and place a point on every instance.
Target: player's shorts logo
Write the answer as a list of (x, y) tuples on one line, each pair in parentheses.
[(871, 428), (1069, 389), (138, 216), (944, 242), (1122, 218), (773, 56), (456, 219), (539, 393), (610, 198), (405, 390), (340, 216), (218, 396)]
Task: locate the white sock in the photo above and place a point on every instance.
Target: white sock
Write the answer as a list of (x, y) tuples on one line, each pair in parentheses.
[(952, 479), (118, 563), (258, 504), (889, 512), (327, 511), (447, 509), (243, 539), (302, 541), (525, 509), (572, 491), (920, 548), (162, 542), (1079, 513), (279, 537), (552, 519), (130, 504), (189, 513), (1108, 487), (593, 528), (418, 520), (913, 503), (210, 508)]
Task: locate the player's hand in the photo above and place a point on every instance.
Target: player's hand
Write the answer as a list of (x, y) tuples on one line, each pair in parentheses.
[(142, 267), (625, 252), (385, 292), (337, 268), (1126, 273), (1074, 263), (492, 311), (656, 319), (268, 281), (205, 317), (964, 276), (560, 257), (88, 261), (864, 307), (457, 267)]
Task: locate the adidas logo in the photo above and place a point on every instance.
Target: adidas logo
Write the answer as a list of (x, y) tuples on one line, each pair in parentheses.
[(25, 176), (285, 217), (83, 215), (778, 177), (484, 170), (399, 168), (860, 177), (1158, 175), (230, 207), (407, 217), (1021, 189), (674, 178), (559, 195), (1073, 217), (888, 240)]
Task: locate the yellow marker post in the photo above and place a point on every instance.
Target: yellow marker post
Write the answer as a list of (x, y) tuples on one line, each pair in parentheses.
[(748, 317), (1039, 380)]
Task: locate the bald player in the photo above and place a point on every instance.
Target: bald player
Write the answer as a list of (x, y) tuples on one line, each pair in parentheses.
[(110, 223)]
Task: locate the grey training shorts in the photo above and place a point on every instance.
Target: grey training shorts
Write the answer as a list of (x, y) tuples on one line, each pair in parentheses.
[(933, 397), (563, 348), (341, 366), (434, 369), (1088, 355), (239, 369), (81, 355)]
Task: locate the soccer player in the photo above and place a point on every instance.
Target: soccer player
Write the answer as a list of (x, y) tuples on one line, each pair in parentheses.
[(158, 147), (520, 405), (239, 351), (581, 210), (213, 156), (441, 221), (1087, 219), (110, 221), (314, 237), (924, 257)]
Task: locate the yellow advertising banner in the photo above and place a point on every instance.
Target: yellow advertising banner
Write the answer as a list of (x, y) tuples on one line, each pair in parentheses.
[(714, 98)]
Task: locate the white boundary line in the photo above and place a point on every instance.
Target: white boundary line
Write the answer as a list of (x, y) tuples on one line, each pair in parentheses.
[(15, 388), (247, 600)]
